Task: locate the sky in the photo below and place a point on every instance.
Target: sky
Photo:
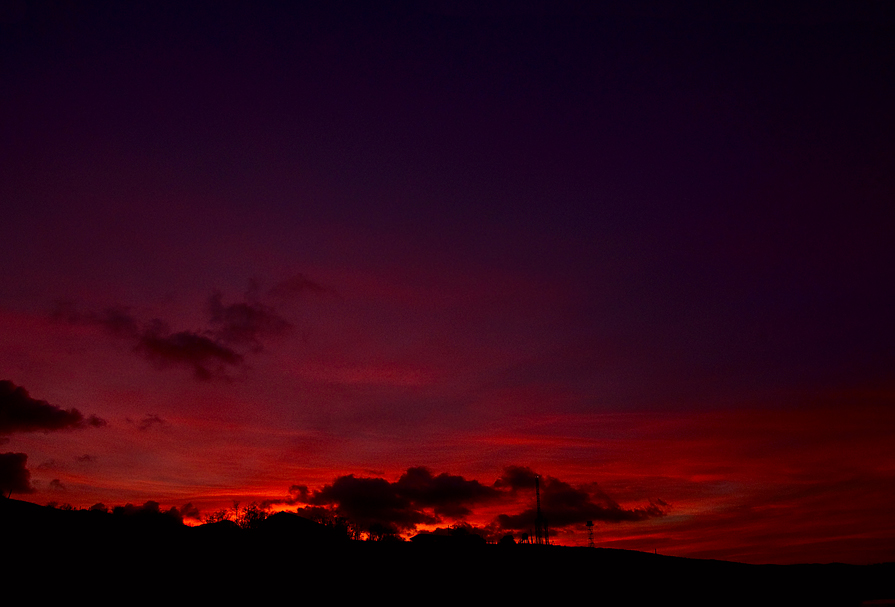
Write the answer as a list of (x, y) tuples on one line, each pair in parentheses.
[(392, 261)]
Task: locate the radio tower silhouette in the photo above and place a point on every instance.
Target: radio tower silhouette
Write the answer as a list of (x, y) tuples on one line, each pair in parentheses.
[(541, 534)]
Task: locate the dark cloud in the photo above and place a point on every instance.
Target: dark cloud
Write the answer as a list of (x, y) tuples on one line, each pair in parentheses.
[(515, 478), (370, 501), (14, 476), (207, 358), (447, 495), (245, 324), (296, 286), (299, 493), (118, 321), (155, 341), (49, 464), (188, 510), (56, 485), (86, 459), (148, 510), (564, 505), (420, 497), (233, 329), (314, 513), (416, 497), (149, 420), (21, 413)]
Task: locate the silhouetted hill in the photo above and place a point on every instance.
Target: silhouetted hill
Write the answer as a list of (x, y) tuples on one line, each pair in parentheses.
[(151, 554)]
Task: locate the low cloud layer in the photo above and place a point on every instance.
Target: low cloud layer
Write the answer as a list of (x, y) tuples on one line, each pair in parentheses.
[(19, 412), (565, 505), (420, 497), (417, 497), (449, 496)]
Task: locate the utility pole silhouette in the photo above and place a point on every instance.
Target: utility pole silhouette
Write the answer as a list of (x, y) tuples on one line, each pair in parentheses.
[(541, 533)]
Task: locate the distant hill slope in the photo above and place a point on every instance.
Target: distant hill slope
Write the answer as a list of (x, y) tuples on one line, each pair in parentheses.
[(91, 553)]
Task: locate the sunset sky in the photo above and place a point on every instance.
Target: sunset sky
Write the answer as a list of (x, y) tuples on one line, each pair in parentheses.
[(394, 259)]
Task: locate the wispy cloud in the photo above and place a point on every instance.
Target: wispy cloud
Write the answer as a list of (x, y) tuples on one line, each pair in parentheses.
[(149, 421), (233, 330), (244, 324), (207, 358)]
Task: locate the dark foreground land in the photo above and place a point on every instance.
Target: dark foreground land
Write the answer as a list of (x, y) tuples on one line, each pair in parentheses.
[(52, 553)]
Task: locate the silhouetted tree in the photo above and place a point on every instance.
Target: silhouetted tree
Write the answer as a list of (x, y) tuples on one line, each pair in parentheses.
[(246, 517), (379, 532), (217, 516), (251, 516), (341, 526), (507, 540)]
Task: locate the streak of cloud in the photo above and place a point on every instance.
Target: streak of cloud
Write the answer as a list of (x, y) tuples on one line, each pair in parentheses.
[(149, 421)]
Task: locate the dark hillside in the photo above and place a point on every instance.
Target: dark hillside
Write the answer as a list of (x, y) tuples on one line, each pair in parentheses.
[(95, 553)]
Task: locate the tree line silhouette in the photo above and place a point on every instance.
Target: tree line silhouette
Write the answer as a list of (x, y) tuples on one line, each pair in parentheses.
[(248, 550)]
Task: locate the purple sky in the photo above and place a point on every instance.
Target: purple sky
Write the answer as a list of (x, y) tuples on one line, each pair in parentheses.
[(276, 244)]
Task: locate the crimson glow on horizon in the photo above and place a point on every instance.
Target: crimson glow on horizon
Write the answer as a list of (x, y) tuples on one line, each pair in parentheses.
[(392, 261)]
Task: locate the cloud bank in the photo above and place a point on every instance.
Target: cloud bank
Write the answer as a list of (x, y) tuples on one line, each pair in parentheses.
[(565, 505), (419, 497), (19, 412)]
